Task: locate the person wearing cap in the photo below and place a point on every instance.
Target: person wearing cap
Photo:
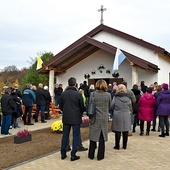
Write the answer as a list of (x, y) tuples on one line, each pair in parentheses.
[(163, 109), (72, 107)]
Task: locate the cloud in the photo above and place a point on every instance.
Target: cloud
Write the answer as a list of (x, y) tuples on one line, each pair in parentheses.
[(32, 26)]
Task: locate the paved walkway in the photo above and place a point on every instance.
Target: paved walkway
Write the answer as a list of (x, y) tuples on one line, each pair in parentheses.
[(36, 126), (143, 153)]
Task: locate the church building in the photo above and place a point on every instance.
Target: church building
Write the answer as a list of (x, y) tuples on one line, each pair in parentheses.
[(92, 56)]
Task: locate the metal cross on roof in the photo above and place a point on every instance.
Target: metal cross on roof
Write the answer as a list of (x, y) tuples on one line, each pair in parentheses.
[(101, 10)]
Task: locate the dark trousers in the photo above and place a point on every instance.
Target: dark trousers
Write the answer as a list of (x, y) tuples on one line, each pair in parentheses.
[(101, 148), (163, 120), (28, 110), (12, 120), (148, 126), (0, 119), (135, 122), (47, 108), (80, 145), (117, 139), (56, 101), (42, 109), (65, 138), (19, 110), (6, 122)]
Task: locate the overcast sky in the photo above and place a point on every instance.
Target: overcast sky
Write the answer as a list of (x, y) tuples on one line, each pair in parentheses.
[(28, 27)]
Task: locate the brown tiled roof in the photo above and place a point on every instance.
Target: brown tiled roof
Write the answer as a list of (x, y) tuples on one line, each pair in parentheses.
[(86, 45)]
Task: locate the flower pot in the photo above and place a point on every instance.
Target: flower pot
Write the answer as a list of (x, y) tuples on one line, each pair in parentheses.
[(83, 125), (22, 139)]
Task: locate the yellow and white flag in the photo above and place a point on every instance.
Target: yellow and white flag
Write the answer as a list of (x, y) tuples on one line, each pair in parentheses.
[(39, 62)]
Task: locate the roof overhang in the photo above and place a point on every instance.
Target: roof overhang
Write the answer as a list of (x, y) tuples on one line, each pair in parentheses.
[(61, 62), (86, 46)]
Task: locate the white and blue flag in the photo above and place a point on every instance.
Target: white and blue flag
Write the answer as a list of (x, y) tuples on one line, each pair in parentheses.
[(119, 58)]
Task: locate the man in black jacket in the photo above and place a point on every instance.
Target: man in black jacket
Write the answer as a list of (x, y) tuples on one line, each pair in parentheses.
[(48, 101), (8, 105), (58, 91), (41, 100), (72, 106)]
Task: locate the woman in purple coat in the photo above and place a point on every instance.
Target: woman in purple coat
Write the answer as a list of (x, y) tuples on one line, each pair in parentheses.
[(146, 110), (163, 109)]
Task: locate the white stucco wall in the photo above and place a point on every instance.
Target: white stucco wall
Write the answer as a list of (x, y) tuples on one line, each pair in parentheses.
[(128, 46), (141, 52), (93, 61), (86, 66), (164, 65), (148, 76)]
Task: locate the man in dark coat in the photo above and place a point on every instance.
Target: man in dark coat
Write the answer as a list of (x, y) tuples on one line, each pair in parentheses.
[(41, 100), (48, 101), (58, 91), (8, 105), (72, 106)]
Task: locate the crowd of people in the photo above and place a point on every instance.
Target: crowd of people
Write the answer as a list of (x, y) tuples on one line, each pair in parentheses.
[(126, 108), (17, 105)]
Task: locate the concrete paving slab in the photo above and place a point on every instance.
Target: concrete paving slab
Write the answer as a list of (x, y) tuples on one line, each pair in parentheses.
[(142, 153)]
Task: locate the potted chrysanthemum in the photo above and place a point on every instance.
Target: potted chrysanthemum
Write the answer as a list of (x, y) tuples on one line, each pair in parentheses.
[(23, 136), (57, 126)]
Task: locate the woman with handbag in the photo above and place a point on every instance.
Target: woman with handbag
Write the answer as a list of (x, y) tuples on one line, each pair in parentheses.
[(99, 122)]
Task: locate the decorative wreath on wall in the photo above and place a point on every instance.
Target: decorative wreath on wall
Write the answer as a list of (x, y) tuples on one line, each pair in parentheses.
[(101, 69), (86, 76), (115, 74), (93, 72), (108, 71)]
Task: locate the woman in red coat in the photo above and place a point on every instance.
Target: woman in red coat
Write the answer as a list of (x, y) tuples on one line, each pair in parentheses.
[(146, 110)]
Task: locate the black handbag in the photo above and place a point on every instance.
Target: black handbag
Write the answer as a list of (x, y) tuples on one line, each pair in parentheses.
[(91, 109)]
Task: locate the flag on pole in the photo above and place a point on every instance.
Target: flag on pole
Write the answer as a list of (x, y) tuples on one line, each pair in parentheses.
[(119, 58), (39, 62)]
